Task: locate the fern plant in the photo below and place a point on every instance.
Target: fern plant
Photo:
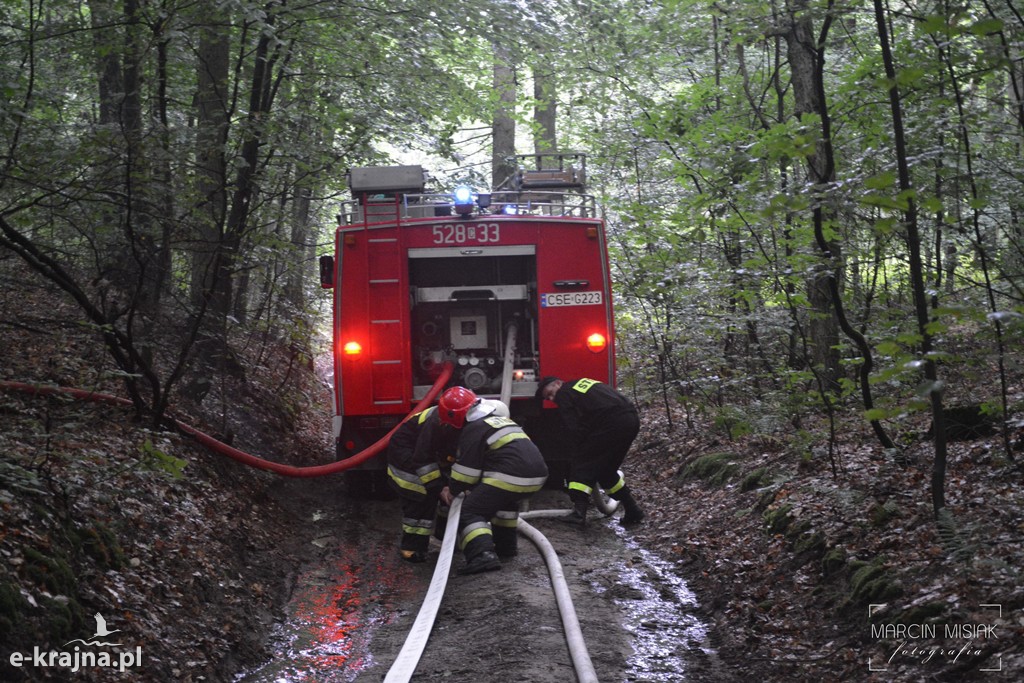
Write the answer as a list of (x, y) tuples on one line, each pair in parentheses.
[(954, 539)]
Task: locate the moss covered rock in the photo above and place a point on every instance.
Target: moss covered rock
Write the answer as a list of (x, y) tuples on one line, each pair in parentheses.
[(778, 519), (715, 468)]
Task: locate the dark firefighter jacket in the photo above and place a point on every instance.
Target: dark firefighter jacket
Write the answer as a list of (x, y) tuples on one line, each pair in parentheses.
[(416, 451), (587, 406), (496, 451)]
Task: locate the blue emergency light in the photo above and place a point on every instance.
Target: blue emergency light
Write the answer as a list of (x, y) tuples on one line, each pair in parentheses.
[(463, 200)]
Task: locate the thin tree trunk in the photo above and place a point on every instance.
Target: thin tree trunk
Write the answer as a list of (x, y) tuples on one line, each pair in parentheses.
[(917, 283), (982, 252), (211, 140), (807, 57)]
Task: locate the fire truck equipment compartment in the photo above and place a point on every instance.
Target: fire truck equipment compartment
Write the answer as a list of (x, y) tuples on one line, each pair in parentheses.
[(389, 179)]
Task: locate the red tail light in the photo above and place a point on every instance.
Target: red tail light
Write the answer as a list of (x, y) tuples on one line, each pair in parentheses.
[(596, 342)]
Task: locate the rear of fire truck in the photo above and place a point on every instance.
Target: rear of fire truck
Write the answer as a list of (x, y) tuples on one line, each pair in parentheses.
[(507, 286)]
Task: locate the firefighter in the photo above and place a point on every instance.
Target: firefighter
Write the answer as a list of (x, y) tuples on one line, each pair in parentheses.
[(603, 424), (498, 466), (415, 453)]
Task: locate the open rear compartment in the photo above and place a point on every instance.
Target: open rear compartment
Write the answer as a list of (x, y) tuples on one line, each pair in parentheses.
[(474, 307), (477, 309)]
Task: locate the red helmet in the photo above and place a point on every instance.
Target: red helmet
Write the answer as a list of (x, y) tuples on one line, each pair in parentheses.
[(454, 404)]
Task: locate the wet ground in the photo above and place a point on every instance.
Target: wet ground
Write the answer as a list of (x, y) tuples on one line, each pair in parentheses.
[(353, 602)]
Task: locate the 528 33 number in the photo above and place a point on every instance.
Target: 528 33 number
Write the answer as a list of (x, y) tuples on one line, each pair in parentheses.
[(463, 233)]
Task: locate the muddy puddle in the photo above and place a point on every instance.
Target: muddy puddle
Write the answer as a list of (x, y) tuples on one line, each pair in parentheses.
[(339, 602)]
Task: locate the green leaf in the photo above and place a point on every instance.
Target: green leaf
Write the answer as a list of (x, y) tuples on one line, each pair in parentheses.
[(934, 23), (876, 414), (987, 26), (888, 348), (155, 459), (909, 76), (931, 204), (887, 225), (881, 181), (909, 338)]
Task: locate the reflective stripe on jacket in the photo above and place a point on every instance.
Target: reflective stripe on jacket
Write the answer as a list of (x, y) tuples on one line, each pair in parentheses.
[(496, 451), (418, 481)]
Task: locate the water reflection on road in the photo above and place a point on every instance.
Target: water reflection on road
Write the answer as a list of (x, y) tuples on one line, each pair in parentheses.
[(669, 640), (356, 585), (337, 606)]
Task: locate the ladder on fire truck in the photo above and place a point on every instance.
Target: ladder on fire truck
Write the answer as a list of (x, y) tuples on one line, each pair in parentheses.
[(543, 181), (384, 268), (380, 201)]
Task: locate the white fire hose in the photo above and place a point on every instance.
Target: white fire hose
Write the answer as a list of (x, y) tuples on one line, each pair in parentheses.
[(574, 636), (405, 664)]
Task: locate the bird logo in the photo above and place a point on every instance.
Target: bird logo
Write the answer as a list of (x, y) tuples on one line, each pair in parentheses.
[(101, 632), (101, 627)]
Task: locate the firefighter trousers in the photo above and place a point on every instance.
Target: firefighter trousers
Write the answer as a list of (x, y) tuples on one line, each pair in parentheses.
[(602, 453), (489, 521), (420, 517)]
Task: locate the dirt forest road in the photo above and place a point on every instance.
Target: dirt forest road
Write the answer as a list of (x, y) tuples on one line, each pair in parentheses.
[(353, 603)]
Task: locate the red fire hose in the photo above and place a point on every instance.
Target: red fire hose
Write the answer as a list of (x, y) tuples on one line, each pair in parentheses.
[(232, 452)]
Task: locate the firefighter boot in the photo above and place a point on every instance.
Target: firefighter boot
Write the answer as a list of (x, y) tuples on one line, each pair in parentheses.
[(414, 556), (483, 562), (578, 514), (634, 515), (413, 548)]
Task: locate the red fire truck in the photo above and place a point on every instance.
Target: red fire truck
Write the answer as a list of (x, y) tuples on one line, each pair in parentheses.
[(506, 286)]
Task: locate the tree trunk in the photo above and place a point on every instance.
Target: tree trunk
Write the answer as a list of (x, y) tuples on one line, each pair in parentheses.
[(142, 256), (805, 59), (108, 64), (302, 248), (211, 165), (913, 238), (244, 184), (503, 131), (545, 110)]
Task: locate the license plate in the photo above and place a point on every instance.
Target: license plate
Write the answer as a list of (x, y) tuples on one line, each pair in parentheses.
[(570, 299)]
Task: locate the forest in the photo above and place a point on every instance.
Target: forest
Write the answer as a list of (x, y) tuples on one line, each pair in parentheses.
[(815, 212)]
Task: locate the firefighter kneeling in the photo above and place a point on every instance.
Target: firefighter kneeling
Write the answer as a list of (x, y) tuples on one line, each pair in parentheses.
[(604, 424), (498, 466), (415, 452)]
